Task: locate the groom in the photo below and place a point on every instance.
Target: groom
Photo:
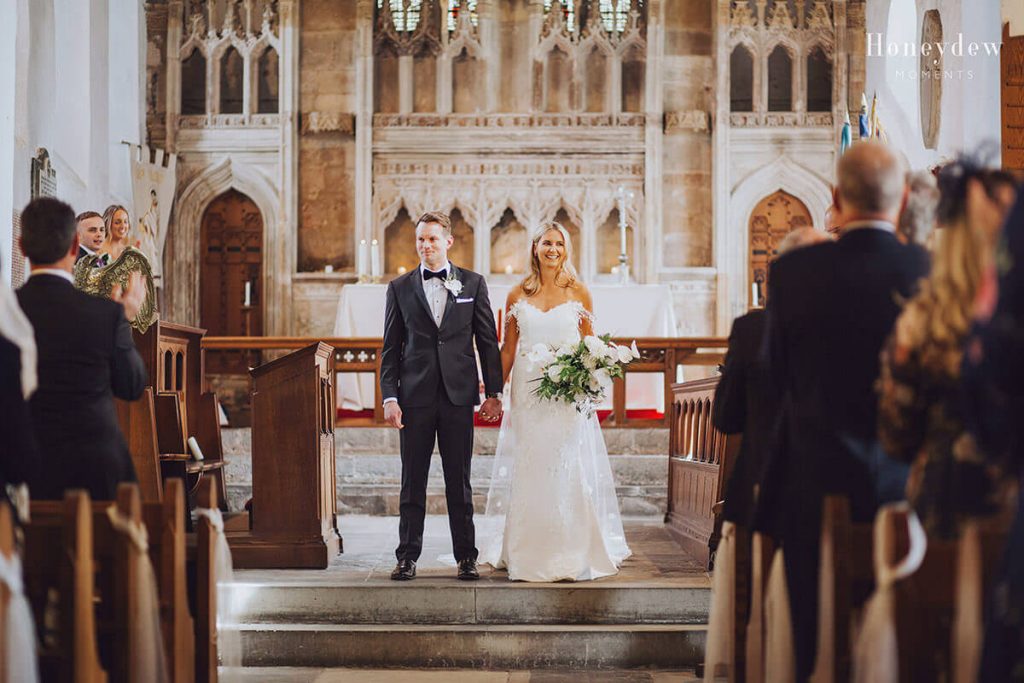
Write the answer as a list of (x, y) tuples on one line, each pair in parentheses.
[(428, 379)]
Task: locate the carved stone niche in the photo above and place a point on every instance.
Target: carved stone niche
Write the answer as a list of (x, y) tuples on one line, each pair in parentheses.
[(328, 122)]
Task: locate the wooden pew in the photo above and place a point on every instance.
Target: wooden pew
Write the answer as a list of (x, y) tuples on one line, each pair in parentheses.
[(165, 524), (206, 644), (762, 549), (58, 562), (845, 581), (980, 550), (7, 549)]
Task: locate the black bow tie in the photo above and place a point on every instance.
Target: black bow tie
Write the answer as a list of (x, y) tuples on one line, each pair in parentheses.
[(440, 275)]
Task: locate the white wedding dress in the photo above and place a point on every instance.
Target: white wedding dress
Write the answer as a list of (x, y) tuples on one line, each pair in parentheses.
[(552, 514)]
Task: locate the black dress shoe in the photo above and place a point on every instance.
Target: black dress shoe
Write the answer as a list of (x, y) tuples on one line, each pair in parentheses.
[(467, 570), (405, 570)]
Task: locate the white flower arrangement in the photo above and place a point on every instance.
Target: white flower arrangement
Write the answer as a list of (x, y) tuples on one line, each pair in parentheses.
[(580, 374), (453, 284)]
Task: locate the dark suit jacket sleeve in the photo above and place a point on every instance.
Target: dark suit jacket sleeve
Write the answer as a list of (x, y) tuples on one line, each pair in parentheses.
[(18, 447), (729, 412), (391, 355), (486, 334), (773, 350), (127, 371)]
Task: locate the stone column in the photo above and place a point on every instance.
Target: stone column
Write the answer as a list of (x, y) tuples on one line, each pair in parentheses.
[(720, 126), (366, 223), (281, 248), (647, 233), (175, 17)]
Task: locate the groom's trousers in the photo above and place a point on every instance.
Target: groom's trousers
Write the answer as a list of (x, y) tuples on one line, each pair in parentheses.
[(452, 426)]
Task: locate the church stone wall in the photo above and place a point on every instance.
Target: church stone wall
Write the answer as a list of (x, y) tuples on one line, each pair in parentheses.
[(326, 145), (687, 197)]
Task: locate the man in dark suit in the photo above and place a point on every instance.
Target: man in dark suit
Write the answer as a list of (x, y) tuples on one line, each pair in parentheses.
[(429, 382), (86, 357), (745, 402), (830, 309), (92, 232)]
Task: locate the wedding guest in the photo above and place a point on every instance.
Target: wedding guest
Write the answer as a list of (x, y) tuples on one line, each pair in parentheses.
[(917, 220), (830, 308), (18, 381), (117, 261), (920, 410), (86, 358), (92, 232), (993, 390), (744, 401)]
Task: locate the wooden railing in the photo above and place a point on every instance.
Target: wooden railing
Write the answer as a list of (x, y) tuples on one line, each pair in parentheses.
[(700, 457), (362, 354)]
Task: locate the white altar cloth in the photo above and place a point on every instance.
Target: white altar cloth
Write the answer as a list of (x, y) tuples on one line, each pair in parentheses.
[(622, 311)]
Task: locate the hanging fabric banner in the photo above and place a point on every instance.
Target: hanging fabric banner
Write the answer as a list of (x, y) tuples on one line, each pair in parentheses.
[(153, 185)]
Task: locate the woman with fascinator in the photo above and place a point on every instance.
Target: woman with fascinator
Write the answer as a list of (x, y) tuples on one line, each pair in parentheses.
[(552, 513), (114, 265), (921, 413)]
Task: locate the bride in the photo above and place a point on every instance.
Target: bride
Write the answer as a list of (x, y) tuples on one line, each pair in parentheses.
[(552, 496)]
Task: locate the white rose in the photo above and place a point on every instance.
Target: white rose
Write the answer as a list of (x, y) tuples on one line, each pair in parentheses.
[(553, 372), (625, 355), (595, 386), (595, 346), (634, 350), (590, 363), (603, 378), (540, 354)]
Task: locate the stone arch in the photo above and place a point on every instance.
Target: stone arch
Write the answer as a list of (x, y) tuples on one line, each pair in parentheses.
[(400, 243), (782, 174), (741, 78), (781, 77), (231, 68), (183, 248), (819, 79), (268, 65), (510, 245)]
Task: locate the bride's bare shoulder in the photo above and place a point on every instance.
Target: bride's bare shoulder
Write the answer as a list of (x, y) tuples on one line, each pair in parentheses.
[(515, 295), (581, 293)]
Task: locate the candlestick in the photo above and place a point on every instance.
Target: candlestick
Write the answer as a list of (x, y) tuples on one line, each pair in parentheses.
[(328, 269), (375, 261), (361, 259), (756, 293), (248, 293)]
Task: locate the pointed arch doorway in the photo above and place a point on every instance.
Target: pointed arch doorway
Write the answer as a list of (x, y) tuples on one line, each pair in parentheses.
[(771, 219), (231, 276)]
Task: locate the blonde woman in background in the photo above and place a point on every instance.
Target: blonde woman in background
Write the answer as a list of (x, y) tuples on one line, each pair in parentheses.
[(114, 264), (921, 417), (552, 513)]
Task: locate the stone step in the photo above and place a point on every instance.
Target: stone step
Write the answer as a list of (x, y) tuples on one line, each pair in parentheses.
[(484, 647), (444, 602), (291, 674)]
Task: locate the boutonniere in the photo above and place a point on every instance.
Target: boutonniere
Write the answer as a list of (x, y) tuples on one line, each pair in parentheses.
[(453, 284)]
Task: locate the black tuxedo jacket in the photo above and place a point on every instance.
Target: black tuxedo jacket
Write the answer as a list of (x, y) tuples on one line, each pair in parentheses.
[(830, 309), (419, 357), (86, 358), (744, 403), (82, 253)]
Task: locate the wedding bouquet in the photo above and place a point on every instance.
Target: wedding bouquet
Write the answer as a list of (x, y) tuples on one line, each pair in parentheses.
[(580, 374)]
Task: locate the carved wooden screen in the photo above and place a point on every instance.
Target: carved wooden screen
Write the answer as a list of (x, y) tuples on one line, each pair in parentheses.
[(1012, 57), (232, 248), (771, 219)]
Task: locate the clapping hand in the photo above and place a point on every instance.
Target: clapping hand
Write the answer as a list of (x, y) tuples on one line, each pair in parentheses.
[(131, 296)]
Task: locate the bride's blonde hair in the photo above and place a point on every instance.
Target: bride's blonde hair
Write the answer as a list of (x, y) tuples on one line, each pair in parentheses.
[(566, 275)]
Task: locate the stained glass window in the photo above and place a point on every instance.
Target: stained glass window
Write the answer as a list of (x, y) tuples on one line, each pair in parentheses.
[(569, 9), (406, 13), (453, 13), (615, 14)]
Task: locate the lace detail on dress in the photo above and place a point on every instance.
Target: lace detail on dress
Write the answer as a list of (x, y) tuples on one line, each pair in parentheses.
[(512, 314), (515, 312)]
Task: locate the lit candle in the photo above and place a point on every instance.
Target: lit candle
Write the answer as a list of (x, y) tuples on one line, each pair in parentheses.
[(401, 270), (248, 293), (375, 259), (508, 269), (328, 269), (754, 292), (615, 270), (361, 258)]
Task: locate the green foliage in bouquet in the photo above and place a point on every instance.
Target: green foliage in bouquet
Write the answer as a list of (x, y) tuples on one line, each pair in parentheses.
[(582, 373)]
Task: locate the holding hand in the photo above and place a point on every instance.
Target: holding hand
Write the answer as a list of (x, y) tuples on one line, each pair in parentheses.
[(490, 411)]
